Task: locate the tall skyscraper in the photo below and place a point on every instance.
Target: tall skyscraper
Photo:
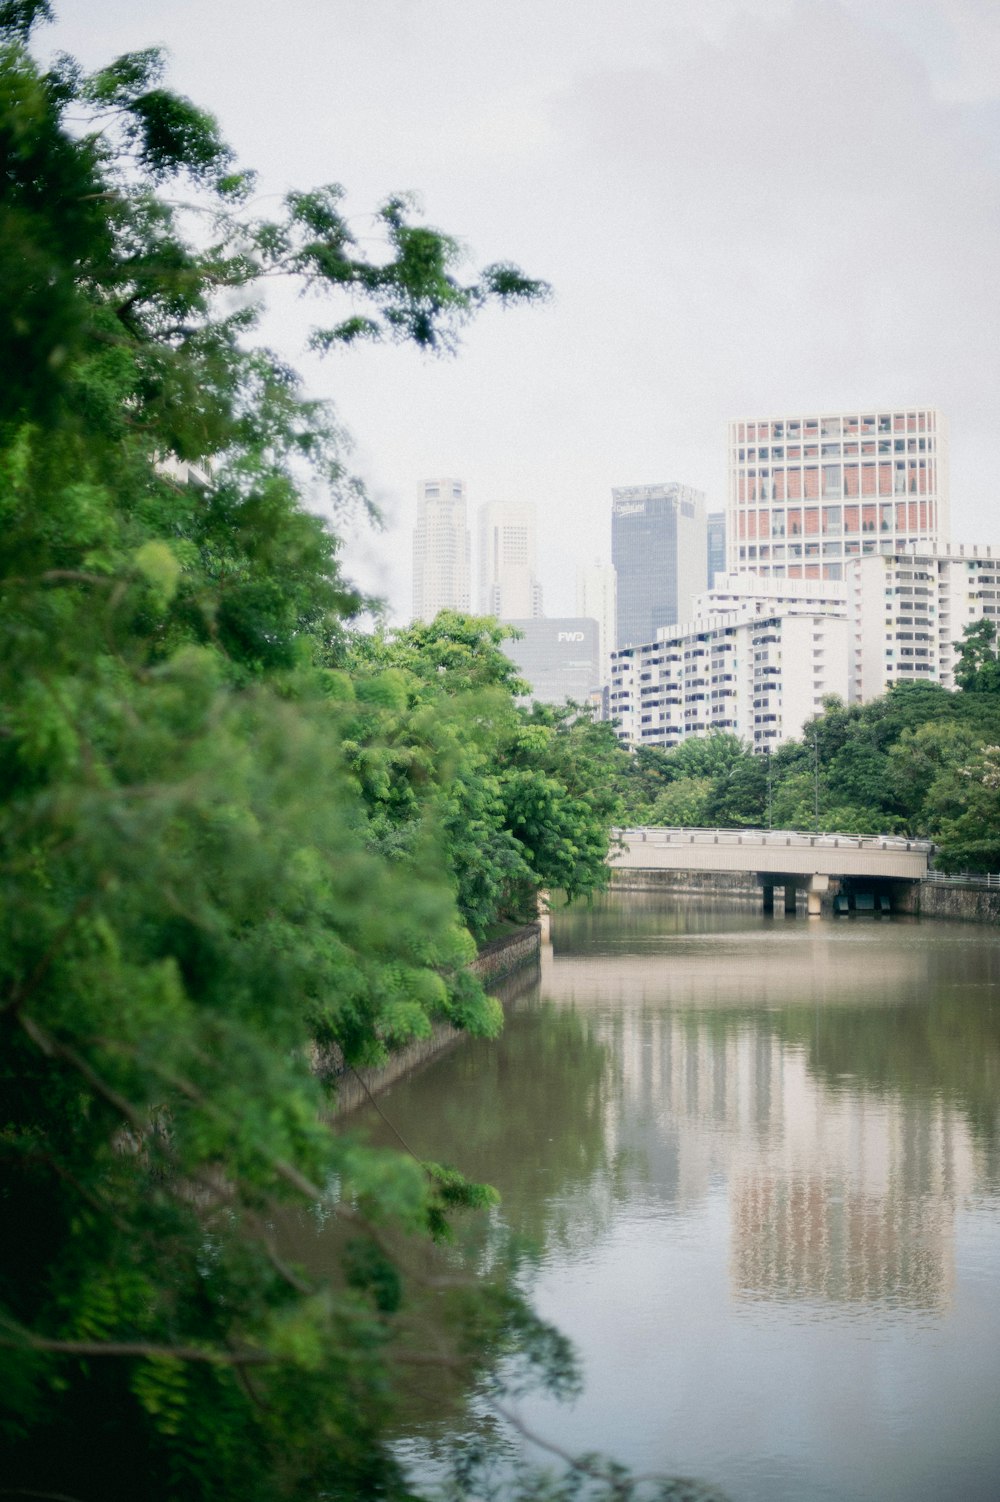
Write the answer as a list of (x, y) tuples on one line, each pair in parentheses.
[(441, 550), (808, 493), (508, 579), (595, 598), (659, 550)]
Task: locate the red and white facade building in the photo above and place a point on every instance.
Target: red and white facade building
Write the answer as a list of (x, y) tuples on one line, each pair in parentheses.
[(807, 493)]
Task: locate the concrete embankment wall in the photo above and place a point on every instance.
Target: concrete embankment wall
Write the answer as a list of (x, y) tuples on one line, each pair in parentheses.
[(738, 885), (507, 967)]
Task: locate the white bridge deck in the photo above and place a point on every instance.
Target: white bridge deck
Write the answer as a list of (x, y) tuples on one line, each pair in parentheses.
[(780, 852)]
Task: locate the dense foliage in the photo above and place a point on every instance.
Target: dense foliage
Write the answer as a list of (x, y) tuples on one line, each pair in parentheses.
[(231, 829)]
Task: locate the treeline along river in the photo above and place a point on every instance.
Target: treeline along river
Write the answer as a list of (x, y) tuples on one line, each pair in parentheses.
[(759, 1162)]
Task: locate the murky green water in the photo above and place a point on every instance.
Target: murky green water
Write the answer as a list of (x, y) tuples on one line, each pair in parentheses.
[(761, 1162)]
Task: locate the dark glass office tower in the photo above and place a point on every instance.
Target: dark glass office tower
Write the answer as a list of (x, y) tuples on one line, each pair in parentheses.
[(716, 522), (659, 550)]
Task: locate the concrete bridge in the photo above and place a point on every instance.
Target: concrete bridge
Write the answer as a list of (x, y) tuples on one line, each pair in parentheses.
[(777, 857)]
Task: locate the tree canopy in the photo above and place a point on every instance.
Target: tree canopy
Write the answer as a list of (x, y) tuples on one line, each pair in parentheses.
[(918, 760), (233, 831)]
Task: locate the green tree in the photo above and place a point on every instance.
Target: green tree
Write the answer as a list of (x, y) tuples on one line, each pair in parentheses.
[(648, 773), (523, 799), (713, 755), (968, 814), (926, 771), (741, 793), (683, 804), (977, 670), (574, 766), (436, 717), (193, 892), (223, 827)]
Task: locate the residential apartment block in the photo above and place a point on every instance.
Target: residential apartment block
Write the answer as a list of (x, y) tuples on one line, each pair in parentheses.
[(907, 610), (808, 493), (757, 676), (750, 594), (762, 654)]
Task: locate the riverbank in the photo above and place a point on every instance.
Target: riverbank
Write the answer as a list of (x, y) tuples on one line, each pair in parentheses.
[(506, 966)]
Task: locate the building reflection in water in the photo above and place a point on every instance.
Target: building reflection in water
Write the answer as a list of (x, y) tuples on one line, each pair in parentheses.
[(841, 1191)]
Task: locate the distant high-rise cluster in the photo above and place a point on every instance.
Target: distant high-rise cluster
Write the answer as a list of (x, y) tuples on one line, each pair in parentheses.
[(839, 581), (508, 585), (829, 572)]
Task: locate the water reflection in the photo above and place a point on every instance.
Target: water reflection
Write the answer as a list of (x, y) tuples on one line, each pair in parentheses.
[(760, 1161), (816, 1067)]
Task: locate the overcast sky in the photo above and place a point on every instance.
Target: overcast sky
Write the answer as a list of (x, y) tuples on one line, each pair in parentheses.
[(743, 206)]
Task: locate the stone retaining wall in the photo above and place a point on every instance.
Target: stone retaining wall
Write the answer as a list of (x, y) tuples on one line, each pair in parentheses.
[(500, 956), (929, 899), (503, 967)]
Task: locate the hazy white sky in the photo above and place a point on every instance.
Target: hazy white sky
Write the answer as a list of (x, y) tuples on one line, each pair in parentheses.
[(744, 206)]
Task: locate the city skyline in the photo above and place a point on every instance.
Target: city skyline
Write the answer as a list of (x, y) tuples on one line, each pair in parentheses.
[(721, 232)]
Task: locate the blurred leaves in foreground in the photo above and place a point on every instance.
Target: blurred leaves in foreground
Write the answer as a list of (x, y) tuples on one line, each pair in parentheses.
[(232, 829)]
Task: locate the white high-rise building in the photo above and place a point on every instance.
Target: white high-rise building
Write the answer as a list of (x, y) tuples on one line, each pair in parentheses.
[(749, 594), (595, 597), (441, 550), (757, 675), (907, 610), (807, 493), (508, 571)]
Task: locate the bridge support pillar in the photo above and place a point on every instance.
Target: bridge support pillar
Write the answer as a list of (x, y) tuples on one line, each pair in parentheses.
[(818, 885), (790, 899), (768, 900)]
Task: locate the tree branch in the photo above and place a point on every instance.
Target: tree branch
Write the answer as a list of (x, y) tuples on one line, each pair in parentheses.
[(145, 1350), (51, 1045)]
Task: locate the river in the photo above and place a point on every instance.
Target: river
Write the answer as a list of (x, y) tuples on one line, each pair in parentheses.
[(759, 1159)]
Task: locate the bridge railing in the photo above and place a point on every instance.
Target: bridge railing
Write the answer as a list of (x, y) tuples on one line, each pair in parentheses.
[(965, 879), (794, 838)]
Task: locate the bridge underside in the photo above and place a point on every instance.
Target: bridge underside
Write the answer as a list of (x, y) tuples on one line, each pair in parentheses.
[(843, 894), (815, 888)]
